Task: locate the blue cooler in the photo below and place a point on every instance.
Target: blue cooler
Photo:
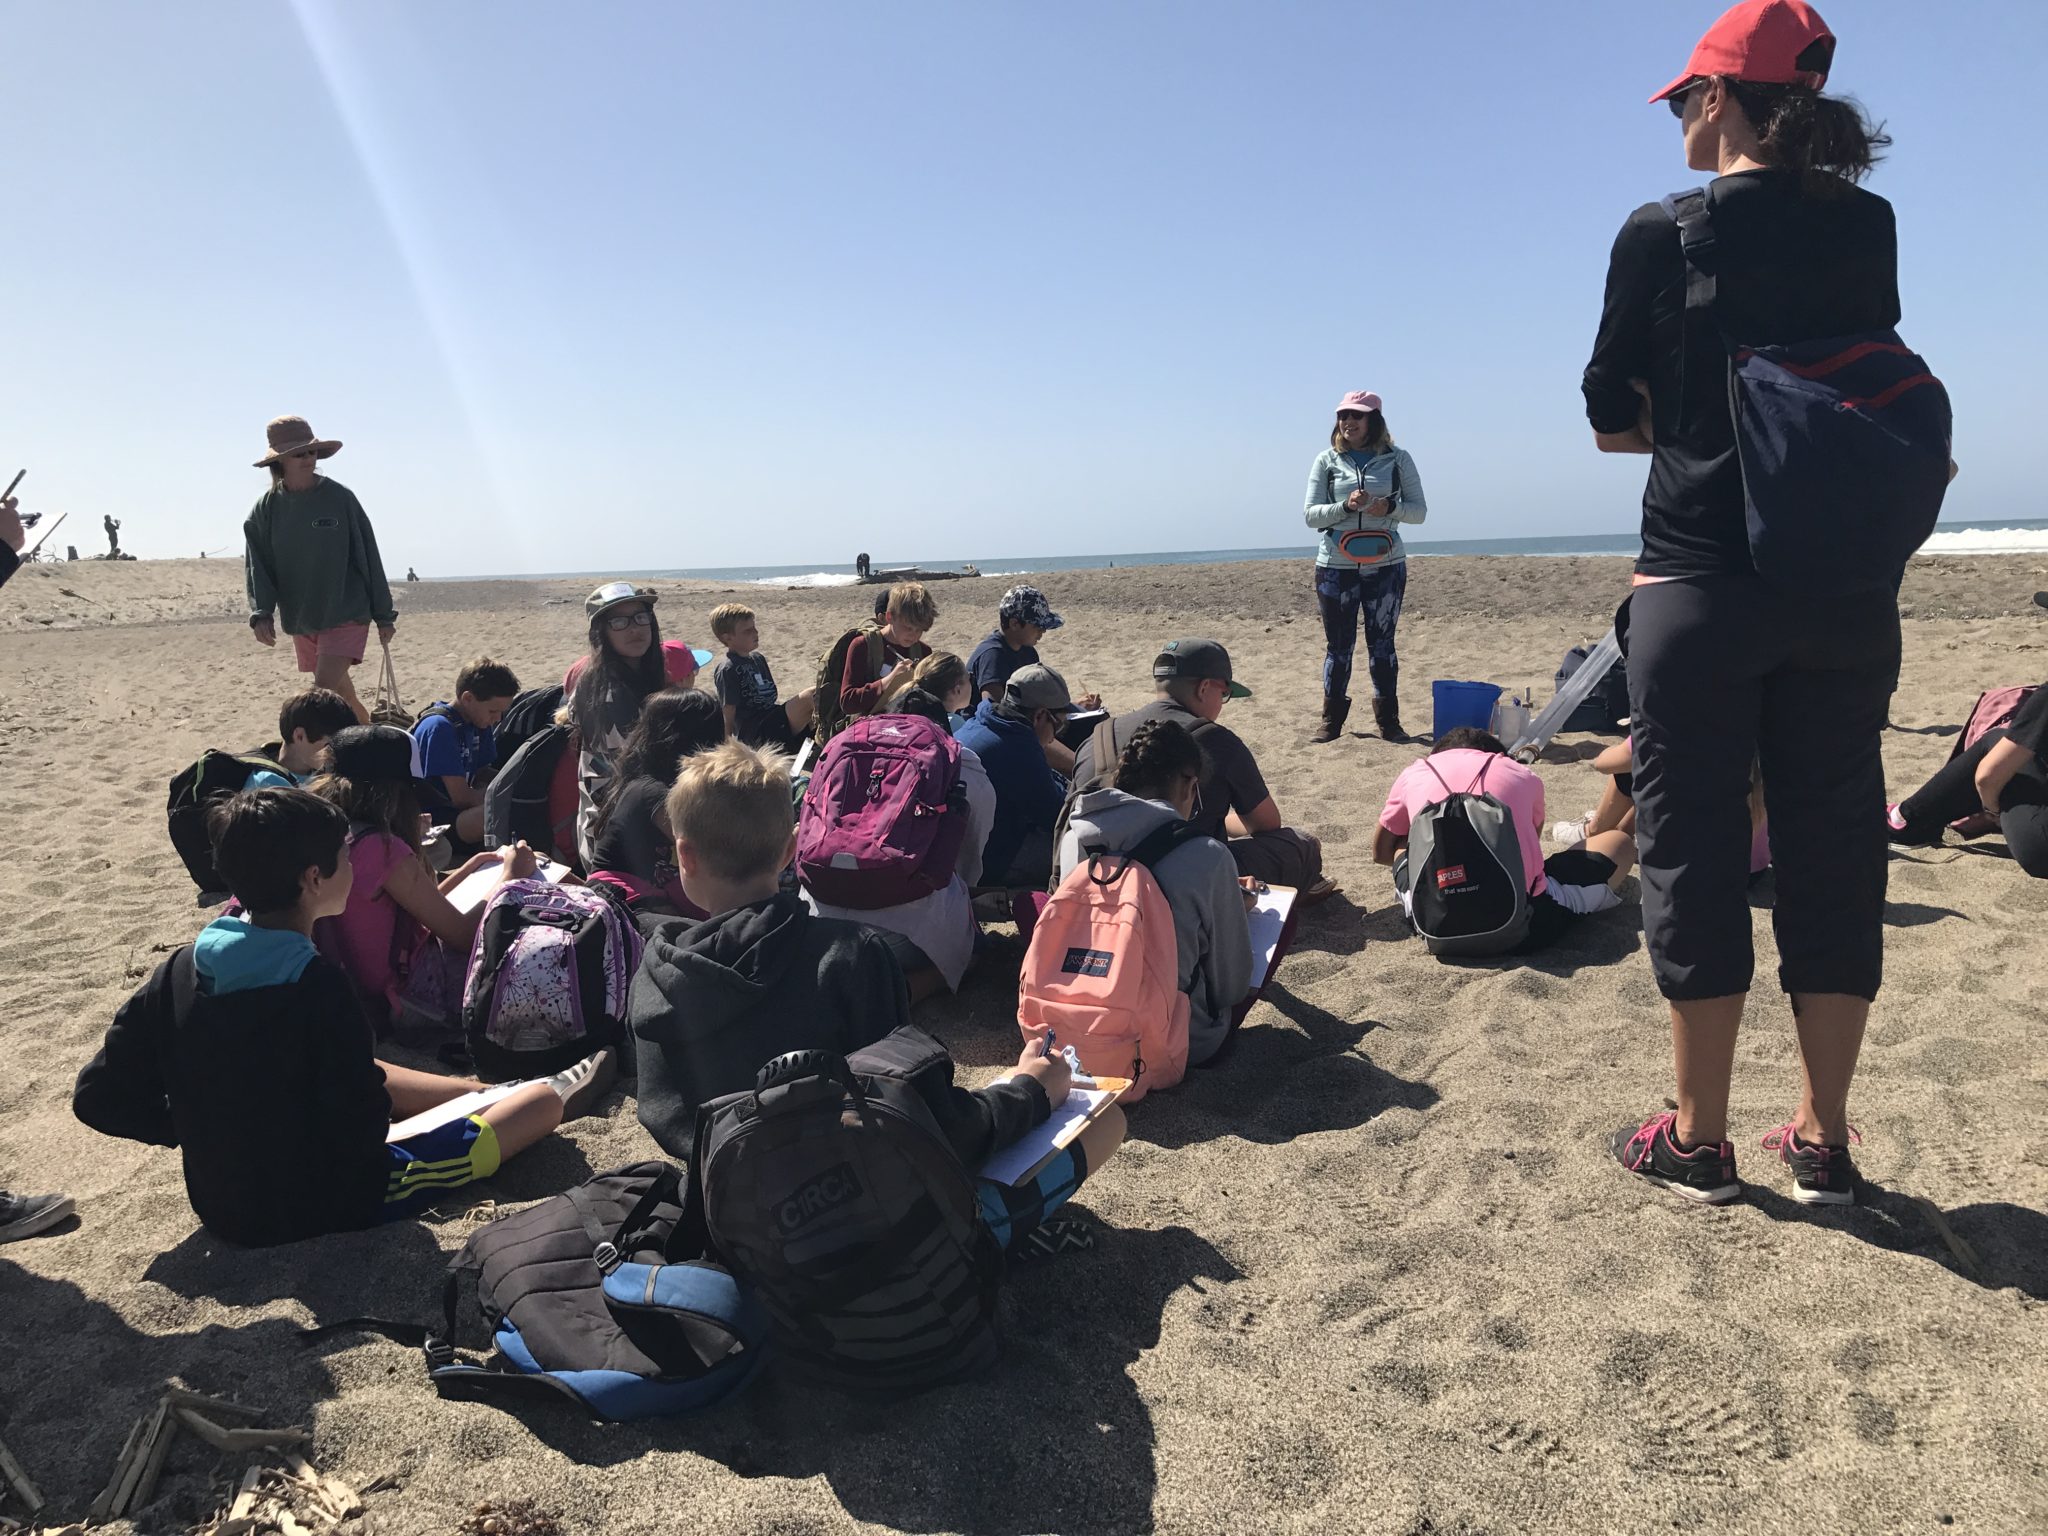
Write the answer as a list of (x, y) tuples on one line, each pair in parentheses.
[(1459, 704)]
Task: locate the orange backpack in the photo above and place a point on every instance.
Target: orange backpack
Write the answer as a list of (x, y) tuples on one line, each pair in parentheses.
[(1103, 967)]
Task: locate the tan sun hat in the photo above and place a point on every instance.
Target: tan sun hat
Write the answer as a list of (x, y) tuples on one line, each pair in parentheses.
[(289, 434)]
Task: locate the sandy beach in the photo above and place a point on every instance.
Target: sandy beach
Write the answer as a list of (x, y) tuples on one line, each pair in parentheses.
[(1376, 1273)]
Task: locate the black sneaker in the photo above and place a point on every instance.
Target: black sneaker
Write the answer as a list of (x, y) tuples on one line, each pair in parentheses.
[(1820, 1175), (1705, 1174), (1899, 835), (26, 1215)]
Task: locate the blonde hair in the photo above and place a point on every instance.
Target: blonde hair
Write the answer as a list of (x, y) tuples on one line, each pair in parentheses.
[(909, 600), (939, 674), (1377, 438), (732, 804), (727, 617)]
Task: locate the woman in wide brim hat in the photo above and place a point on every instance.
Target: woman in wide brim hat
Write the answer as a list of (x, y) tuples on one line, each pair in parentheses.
[(312, 562), (1360, 489)]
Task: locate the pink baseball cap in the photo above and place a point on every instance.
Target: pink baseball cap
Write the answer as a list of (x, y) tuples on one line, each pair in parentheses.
[(1764, 42), (1359, 400)]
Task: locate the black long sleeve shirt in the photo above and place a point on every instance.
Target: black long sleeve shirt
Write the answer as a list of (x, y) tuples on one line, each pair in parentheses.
[(1793, 265)]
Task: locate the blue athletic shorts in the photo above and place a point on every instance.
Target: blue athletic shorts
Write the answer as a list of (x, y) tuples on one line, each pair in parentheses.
[(420, 1169), (1012, 1210)]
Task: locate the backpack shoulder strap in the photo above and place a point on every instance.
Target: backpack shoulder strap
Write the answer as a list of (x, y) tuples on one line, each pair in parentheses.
[(1160, 841), (1448, 791), (875, 651), (1696, 239)]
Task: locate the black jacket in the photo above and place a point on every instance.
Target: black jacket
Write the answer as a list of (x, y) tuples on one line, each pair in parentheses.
[(716, 1000), (273, 1093)]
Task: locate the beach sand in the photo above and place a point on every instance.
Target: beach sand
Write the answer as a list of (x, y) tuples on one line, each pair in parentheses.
[(1376, 1273)]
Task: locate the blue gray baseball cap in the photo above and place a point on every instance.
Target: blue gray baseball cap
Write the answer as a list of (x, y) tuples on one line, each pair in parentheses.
[(1027, 605)]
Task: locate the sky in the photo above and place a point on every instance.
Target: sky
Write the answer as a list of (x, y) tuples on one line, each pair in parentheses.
[(645, 286)]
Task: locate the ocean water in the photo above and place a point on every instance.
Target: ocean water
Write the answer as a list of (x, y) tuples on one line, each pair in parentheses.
[(1977, 538)]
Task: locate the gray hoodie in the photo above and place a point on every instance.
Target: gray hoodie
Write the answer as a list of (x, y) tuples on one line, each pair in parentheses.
[(1199, 881)]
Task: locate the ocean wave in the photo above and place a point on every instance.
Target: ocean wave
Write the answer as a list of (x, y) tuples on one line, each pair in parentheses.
[(810, 579), (1984, 541)]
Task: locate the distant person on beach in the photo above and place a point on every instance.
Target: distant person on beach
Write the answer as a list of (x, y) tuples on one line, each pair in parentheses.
[(312, 563), (606, 689), (746, 686), (247, 1052), (869, 660), (411, 574), (860, 565), (1234, 806), (113, 526), (1723, 668), (1576, 882), (13, 537), (2002, 777), (1360, 489), (631, 840), (1158, 782)]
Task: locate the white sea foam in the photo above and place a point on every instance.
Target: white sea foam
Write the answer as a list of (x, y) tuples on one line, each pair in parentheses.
[(1984, 541), (810, 579)]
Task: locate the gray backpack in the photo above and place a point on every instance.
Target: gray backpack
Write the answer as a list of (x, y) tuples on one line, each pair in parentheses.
[(1464, 868)]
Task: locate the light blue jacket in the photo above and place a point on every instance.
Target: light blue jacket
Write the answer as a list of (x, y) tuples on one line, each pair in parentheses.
[(1332, 479)]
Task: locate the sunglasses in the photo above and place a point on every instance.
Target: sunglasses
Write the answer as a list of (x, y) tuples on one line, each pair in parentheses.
[(644, 619), (1676, 101), (1351, 415)]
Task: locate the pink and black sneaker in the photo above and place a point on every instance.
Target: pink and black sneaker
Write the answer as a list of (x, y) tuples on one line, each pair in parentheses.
[(1705, 1174), (1821, 1175)]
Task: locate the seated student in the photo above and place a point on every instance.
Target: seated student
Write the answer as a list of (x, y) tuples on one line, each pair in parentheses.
[(761, 976), (746, 688), (1570, 884), (1617, 808), (2002, 775), (303, 726), (866, 681), (246, 1050), (939, 682), (632, 838), (458, 750), (1235, 807), (394, 905), (1157, 781), (1023, 618), (605, 689), (1010, 738), (933, 937)]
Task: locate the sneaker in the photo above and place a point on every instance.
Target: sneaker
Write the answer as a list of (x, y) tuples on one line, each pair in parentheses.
[(1895, 830), (1705, 1174), (1820, 1175), (26, 1215), (583, 1084), (1570, 834)]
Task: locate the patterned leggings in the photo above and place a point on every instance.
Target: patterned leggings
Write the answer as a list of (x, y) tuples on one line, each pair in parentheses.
[(1342, 593)]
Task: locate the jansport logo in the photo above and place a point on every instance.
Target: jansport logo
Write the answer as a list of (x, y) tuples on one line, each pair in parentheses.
[(1087, 962), (828, 1191), (1450, 875)]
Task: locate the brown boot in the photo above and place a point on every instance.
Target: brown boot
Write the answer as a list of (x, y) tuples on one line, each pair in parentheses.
[(1387, 714), (1334, 713)]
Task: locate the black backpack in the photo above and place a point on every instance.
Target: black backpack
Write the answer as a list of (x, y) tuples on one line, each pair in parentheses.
[(1103, 751), (1464, 870), (517, 800), (1607, 703), (533, 711), (216, 774), (599, 1296), (837, 1201)]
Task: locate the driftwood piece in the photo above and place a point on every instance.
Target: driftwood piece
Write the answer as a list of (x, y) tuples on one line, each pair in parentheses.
[(234, 1440), (18, 1479), (103, 1506), (151, 1448), (159, 1453), (1965, 1255), (245, 1496), (213, 1407)]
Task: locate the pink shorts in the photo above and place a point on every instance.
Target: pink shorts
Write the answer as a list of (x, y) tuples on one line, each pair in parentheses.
[(345, 640)]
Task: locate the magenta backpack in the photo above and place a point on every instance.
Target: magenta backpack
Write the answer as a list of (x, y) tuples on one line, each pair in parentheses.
[(1993, 712), (884, 815)]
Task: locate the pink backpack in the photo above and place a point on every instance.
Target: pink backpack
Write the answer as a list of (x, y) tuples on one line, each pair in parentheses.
[(884, 814), (1103, 968), (1992, 712)]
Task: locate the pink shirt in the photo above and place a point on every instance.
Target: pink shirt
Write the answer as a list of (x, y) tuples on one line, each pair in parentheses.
[(1506, 780), (374, 931)]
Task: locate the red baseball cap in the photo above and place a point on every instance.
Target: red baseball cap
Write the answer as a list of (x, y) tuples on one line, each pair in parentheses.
[(1759, 41)]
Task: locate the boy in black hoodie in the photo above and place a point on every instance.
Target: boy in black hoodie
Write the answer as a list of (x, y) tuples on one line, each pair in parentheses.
[(714, 1000), (247, 1049)]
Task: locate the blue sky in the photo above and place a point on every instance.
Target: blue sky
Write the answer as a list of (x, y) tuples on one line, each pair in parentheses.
[(654, 285)]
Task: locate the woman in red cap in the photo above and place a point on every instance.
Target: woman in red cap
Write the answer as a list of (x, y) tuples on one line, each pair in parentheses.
[(1359, 489), (1723, 665)]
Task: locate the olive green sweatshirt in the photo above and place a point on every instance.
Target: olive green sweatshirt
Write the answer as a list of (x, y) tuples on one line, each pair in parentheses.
[(312, 556)]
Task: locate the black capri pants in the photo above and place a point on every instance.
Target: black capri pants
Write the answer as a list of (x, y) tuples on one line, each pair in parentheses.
[(1722, 669)]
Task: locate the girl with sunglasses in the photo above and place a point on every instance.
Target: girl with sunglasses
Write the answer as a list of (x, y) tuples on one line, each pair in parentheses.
[(607, 690)]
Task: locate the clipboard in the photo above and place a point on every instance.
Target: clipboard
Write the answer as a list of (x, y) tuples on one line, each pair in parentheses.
[(1024, 1159), (1270, 919), (456, 1108)]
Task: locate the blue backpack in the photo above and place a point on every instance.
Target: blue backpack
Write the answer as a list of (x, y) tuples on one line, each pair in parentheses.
[(1844, 442), (599, 1297)]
